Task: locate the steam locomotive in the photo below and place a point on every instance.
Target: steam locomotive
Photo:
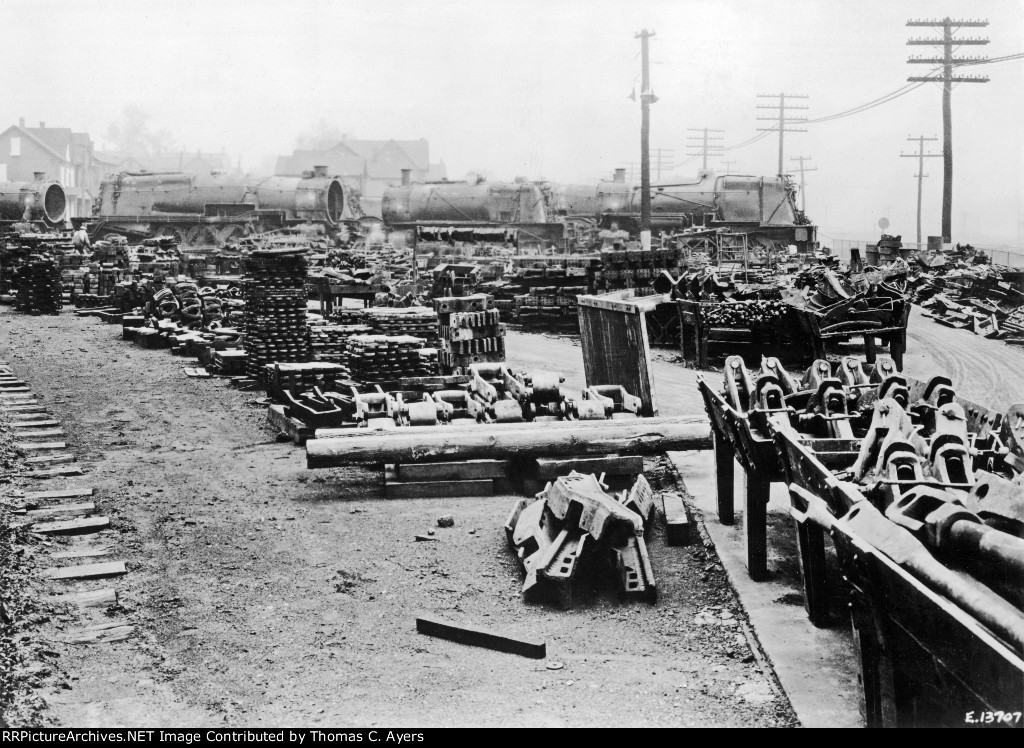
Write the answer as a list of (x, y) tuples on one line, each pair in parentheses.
[(761, 207), (217, 208)]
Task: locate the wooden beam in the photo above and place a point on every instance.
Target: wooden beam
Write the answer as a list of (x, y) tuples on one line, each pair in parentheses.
[(87, 571), (104, 632), (480, 637), (464, 470), (679, 529), (60, 493), (86, 524), (95, 598), (62, 509), (434, 443)]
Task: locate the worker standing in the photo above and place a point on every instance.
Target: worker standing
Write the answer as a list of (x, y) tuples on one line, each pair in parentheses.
[(80, 241)]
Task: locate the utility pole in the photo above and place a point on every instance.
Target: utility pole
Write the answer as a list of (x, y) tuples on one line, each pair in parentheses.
[(782, 120), (669, 154), (802, 169), (920, 156), (946, 77), (707, 145), (729, 165), (646, 99)]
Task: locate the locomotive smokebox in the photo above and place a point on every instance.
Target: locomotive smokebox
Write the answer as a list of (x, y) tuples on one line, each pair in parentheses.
[(42, 199), (315, 198)]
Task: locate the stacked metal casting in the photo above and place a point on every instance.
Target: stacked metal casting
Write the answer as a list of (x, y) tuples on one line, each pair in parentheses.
[(471, 332), (381, 358), (38, 286), (417, 321), (575, 522), (330, 342), (275, 324)]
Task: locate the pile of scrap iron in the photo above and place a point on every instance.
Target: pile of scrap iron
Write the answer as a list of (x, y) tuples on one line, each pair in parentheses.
[(984, 299), (875, 305), (922, 493), (575, 523)]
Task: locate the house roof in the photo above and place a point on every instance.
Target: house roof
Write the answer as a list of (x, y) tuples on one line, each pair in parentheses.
[(379, 159), (25, 132), (58, 138), (337, 161), (417, 151)]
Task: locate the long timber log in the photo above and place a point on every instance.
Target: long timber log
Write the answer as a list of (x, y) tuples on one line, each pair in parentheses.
[(427, 444)]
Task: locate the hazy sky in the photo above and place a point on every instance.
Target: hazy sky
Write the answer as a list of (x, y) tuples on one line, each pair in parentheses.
[(539, 88)]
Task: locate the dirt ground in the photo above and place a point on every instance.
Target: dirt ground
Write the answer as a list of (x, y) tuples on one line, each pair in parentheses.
[(266, 594)]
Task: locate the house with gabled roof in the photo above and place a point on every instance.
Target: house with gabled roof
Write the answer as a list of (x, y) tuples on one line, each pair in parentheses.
[(59, 154)]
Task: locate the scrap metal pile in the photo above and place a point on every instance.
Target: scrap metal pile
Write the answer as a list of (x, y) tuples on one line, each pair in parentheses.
[(37, 286), (575, 523), (984, 299), (275, 324), (903, 474), (189, 305)]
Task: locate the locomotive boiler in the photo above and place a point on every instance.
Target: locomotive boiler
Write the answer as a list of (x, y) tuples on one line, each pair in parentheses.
[(464, 202), (216, 208), (39, 200)]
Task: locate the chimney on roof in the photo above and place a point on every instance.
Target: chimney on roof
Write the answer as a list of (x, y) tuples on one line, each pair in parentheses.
[(42, 125), (319, 170), (21, 121), (620, 175), (406, 177)]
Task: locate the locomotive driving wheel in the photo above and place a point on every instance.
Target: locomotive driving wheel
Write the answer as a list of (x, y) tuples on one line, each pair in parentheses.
[(201, 236), (230, 234)]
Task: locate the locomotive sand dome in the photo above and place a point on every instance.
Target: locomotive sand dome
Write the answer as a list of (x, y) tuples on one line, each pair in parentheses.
[(42, 199), (214, 208)]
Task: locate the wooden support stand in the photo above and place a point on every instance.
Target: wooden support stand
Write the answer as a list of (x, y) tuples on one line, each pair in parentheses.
[(755, 525)]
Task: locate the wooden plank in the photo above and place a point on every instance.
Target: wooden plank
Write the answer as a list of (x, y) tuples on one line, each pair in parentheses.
[(28, 417), (463, 470), (573, 438), (616, 351), (52, 459), (88, 552), (39, 422), (107, 632), (83, 525), (477, 636), (94, 598), (53, 472), (44, 433), (25, 446), (87, 571), (679, 529), (395, 489), (62, 509), (553, 467), (27, 408)]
